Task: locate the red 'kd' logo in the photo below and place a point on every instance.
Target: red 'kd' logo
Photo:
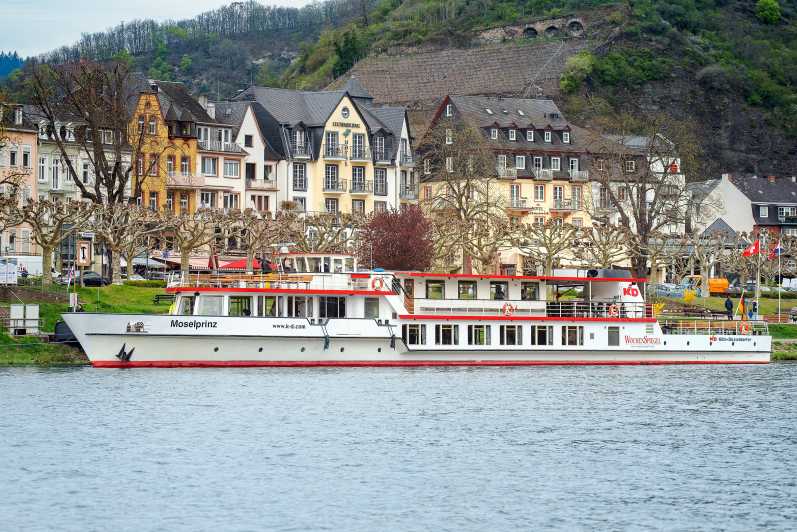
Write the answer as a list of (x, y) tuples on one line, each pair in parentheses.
[(631, 291)]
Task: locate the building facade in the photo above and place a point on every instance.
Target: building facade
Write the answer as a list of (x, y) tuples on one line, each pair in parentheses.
[(18, 156)]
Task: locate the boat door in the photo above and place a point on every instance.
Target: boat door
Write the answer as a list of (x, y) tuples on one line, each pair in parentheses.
[(409, 288)]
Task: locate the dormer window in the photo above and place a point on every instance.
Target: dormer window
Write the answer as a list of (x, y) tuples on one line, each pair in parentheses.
[(449, 136), (449, 110), (494, 134), (521, 113), (630, 166), (547, 136), (18, 117), (530, 135), (566, 137), (763, 211), (512, 134)]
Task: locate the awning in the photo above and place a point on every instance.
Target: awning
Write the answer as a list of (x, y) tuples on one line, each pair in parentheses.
[(239, 264)]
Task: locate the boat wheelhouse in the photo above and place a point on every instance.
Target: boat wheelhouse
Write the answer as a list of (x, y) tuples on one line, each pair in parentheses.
[(319, 318)]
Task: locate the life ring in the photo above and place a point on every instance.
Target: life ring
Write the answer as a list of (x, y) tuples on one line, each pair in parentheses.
[(745, 327), (613, 311), (508, 309), (377, 283)]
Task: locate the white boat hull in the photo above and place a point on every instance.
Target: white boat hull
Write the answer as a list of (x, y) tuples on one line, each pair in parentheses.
[(112, 340)]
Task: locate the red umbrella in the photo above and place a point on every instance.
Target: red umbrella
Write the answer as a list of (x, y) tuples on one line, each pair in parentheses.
[(240, 264)]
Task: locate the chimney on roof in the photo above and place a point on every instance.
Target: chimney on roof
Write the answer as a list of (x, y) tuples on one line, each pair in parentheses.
[(726, 177), (211, 110), (203, 101), (771, 178), (794, 179), (18, 116)]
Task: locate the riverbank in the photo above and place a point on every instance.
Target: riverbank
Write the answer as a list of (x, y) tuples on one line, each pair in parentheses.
[(36, 352)]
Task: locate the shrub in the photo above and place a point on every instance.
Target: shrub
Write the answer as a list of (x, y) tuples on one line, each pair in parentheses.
[(577, 68), (768, 11)]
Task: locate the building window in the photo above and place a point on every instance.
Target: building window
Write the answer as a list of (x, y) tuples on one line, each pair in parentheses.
[(630, 166), (603, 198), (621, 192), (107, 136), (332, 307), (449, 110), (529, 291), (358, 146), (301, 204), (575, 197), (539, 192), (467, 290), (578, 222), (331, 205), (449, 164), (511, 335), (427, 166), (85, 175), (232, 168), (548, 136), (512, 134), (435, 289), (520, 162), (12, 158), (153, 126), (170, 165), (763, 211), (380, 182), (427, 192), (556, 164), (358, 179), (537, 164), (210, 166), (299, 176), (248, 141), (183, 202), (572, 335), (207, 199), (260, 202), (478, 335), (530, 135), (153, 165), (614, 336), (380, 206), (786, 212), (446, 334), (153, 201), (539, 220), (42, 169), (230, 200), (500, 161), (332, 144), (185, 166), (449, 136), (358, 206), (600, 164), (542, 335), (499, 290), (331, 177), (494, 133), (26, 156), (414, 334), (566, 137)]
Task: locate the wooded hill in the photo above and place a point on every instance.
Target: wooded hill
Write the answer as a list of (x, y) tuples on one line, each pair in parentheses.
[(730, 65)]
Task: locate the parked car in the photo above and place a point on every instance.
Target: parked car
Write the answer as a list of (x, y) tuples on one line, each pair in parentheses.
[(135, 277), (156, 275), (94, 279), (668, 290)]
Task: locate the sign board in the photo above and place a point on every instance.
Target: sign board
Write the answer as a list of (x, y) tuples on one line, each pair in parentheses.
[(90, 236), (8, 270), (83, 256)]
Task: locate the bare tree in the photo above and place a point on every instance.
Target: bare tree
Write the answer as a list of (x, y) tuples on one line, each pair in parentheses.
[(121, 227), (603, 245), (329, 233), (257, 232), (545, 244), (640, 170), (192, 232), (51, 223), (467, 207)]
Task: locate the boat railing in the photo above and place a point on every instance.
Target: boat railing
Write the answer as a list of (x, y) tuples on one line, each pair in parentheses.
[(275, 280), (715, 327), (598, 309)]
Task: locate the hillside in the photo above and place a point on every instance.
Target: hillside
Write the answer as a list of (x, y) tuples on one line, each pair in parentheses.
[(729, 65), (9, 62)]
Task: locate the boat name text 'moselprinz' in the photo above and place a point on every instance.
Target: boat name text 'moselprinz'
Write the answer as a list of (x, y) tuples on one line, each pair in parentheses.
[(206, 324)]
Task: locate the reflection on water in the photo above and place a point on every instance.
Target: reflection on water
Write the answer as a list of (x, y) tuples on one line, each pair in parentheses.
[(399, 449)]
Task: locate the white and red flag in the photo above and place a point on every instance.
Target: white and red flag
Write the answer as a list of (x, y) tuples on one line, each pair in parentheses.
[(752, 249)]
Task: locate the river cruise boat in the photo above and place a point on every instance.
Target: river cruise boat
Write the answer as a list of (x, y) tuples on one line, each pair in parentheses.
[(333, 317)]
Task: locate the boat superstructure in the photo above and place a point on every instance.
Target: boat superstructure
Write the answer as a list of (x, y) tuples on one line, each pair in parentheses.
[(339, 318)]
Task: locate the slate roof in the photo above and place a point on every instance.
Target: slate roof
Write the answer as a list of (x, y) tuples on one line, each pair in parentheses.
[(719, 227), (762, 190), (176, 101), (231, 114), (29, 121)]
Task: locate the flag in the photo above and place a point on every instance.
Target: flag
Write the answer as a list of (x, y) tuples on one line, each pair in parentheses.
[(777, 251), (740, 309), (752, 249)]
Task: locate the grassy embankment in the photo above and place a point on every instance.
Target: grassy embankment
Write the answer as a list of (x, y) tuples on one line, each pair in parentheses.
[(117, 299)]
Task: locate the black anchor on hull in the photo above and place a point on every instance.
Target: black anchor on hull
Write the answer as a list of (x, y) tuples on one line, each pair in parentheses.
[(123, 355)]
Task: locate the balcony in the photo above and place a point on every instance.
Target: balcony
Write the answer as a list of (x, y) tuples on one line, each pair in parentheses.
[(544, 175), (382, 156), (408, 192), (506, 173), (407, 159), (261, 184), (360, 153), (359, 186), (334, 151), (565, 205), (301, 151), (335, 185), (219, 146), (579, 175), (518, 204), (184, 181)]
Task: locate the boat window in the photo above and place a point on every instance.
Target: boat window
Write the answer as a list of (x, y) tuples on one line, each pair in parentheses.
[(327, 264), (614, 336), (350, 265), (211, 306), (435, 289), (300, 306), (478, 335), (446, 334), (372, 308), (572, 335), (338, 265), (467, 289), (315, 264), (268, 306), (414, 334), (511, 335), (332, 307), (529, 291), (186, 306), (542, 335), (240, 306), (499, 290)]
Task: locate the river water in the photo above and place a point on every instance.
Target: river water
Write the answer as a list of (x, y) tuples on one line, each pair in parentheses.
[(608, 448)]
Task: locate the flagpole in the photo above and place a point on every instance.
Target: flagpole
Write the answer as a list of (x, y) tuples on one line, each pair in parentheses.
[(780, 277)]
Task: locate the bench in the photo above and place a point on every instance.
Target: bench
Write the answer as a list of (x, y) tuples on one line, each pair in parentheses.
[(163, 297)]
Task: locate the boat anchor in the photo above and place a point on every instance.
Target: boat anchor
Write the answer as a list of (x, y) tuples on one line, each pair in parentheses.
[(124, 355)]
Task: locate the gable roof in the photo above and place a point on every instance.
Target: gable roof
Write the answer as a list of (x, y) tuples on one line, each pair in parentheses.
[(720, 228), (779, 190), (177, 103)]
